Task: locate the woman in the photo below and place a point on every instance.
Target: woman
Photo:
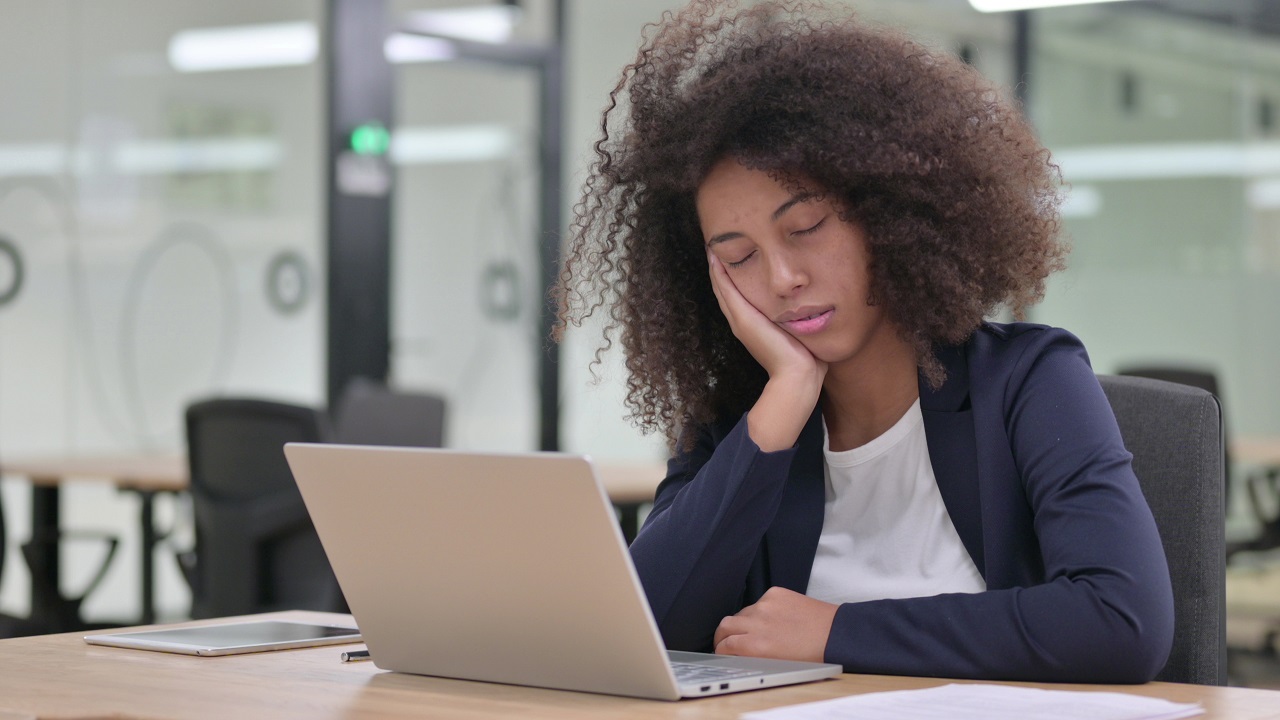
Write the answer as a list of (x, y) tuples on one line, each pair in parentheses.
[(800, 223)]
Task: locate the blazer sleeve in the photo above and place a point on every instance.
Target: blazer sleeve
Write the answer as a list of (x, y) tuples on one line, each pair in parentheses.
[(1104, 613), (699, 540)]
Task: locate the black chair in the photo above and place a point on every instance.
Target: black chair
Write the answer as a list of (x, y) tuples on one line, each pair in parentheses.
[(1204, 379), (1262, 486), (1175, 434), (370, 413), (255, 547)]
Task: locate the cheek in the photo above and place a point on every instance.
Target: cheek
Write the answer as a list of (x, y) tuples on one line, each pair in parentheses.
[(753, 286)]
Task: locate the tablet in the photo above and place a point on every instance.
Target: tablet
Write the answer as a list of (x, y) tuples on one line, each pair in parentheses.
[(230, 639)]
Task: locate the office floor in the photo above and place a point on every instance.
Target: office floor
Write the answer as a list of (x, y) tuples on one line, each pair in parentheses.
[(1253, 670), (1253, 619)]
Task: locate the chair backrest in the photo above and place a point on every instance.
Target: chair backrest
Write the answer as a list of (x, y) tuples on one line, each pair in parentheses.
[(369, 413), (1195, 377), (256, 549), (1175, 434)]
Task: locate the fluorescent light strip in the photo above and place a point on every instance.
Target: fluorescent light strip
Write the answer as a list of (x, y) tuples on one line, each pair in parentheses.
[(405, 48), (244, 46), (1082, 201), (1158, 161), (461, 143), (1263, 194), (34, 160), (409, 146), (483, 23), (992, 6), (196, 156)]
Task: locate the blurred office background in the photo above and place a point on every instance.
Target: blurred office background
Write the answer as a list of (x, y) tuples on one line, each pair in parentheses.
[(163, 218)]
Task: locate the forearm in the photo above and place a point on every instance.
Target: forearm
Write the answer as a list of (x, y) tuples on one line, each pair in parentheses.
[(775, 421), (1091, 630), (698, 543)]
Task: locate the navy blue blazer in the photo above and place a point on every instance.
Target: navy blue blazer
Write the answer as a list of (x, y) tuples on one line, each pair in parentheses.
[(1031, 467)]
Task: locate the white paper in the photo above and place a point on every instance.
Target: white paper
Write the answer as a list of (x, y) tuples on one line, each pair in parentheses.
[(984, 702)]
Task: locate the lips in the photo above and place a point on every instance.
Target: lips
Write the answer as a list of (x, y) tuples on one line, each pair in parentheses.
[(807, 320)]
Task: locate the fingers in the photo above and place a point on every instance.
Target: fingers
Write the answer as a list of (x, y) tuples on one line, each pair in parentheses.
[(726, 292), (783, 624)]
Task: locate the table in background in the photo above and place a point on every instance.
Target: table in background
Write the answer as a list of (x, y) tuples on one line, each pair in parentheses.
[(143, 475), (629, 486), (1256, 450), (61, 676)]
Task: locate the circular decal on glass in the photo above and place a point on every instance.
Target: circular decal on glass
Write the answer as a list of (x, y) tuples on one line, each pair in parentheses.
[(10, 271), (288, 282)]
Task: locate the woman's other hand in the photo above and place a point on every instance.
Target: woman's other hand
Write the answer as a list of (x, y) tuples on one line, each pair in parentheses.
[(784, 624)]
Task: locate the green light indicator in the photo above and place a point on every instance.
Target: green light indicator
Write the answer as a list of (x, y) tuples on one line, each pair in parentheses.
[(370, 139)]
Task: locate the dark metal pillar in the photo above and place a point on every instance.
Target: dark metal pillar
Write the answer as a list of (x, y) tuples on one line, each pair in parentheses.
[(1022, 59), (359, 193), (550, 230)]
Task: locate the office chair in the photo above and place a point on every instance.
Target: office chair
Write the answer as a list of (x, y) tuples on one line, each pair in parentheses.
[(256, 549), (369, 413), (1175, 434), (1198, 378), (1263, 486)]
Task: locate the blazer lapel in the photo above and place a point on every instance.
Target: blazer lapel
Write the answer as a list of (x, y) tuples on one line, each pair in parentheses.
[(792, 540), (953, 453)]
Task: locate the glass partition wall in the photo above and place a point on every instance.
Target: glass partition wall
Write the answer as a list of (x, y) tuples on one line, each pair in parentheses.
[(161, 239)]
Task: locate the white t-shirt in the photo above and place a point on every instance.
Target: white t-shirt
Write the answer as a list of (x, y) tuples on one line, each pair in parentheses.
[(885, 530)]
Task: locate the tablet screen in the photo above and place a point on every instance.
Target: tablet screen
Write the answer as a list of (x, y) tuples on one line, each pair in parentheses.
[(231, 638)]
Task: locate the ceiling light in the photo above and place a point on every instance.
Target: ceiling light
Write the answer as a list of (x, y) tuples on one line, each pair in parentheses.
[(482, 23), (990, 6), (244, 46), (449, 144), (406, 48)]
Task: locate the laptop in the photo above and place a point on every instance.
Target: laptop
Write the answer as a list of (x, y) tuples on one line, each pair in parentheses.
[(501, 568)]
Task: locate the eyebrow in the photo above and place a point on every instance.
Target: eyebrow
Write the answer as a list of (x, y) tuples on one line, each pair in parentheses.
[(782, 210)]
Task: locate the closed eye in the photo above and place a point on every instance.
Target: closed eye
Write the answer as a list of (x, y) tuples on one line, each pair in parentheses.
[(811, 230), (743, 260)]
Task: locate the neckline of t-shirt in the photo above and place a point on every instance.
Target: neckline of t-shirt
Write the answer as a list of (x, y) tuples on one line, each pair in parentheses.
[(887, 440)]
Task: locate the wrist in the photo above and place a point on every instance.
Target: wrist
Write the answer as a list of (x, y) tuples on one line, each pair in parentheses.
[(775, 421)]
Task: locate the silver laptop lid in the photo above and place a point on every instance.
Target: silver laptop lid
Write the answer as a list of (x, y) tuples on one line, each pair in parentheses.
[(502, 568)]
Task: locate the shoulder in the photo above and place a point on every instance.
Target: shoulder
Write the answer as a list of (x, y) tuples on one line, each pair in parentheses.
[(1003, 359), (993, 342), (1015, 349)]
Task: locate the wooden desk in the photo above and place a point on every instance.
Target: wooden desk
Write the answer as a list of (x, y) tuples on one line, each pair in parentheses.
[(60, 676), (629, 486)]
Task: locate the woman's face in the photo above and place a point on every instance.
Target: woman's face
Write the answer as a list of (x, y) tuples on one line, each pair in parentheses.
[(792, 257)]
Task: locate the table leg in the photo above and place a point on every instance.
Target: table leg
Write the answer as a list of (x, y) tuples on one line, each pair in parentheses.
[(45, 560), (148, 568), (629, 519)]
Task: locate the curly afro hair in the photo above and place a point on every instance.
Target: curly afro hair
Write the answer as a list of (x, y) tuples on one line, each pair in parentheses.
[(958, 198)]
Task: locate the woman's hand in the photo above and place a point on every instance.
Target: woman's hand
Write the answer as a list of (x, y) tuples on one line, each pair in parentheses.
[(795, 375), (783, 624), (777, 351)]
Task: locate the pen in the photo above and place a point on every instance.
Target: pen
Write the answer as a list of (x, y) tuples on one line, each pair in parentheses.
[(355, 655)]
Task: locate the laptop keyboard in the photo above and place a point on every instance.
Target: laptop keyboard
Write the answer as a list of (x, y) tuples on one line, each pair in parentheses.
[(696, 672)]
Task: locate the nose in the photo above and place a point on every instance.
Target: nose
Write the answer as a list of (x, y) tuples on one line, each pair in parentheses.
[(787, 273)]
